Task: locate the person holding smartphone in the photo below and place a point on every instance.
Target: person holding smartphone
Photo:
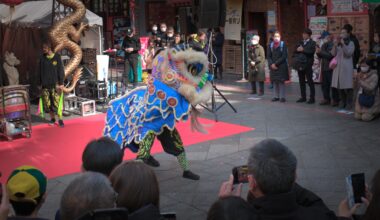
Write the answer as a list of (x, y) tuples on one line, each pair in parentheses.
[(342, 79)]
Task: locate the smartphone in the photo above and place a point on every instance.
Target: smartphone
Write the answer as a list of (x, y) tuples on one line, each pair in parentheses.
[(355, 188), (169, 216), (240, 174)]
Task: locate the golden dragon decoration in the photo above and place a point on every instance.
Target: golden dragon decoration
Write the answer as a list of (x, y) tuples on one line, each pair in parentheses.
[(65, 35)]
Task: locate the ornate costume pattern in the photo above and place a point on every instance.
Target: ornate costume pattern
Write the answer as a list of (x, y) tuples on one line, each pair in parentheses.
[(178, 82)]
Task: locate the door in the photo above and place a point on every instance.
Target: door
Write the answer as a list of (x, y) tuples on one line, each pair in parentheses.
[(257, 21)]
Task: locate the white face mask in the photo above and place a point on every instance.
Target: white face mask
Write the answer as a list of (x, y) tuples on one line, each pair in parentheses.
[(255, 42), (170, 35), (276, 39), (364, 69), (163, 29), (154, 28)]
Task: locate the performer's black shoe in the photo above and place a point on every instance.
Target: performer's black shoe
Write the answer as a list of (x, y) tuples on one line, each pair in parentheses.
[(190, 175), (60, 123), (52, 122), (151, 161)]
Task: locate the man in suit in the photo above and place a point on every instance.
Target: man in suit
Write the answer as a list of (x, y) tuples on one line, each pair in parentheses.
[(307, 46)]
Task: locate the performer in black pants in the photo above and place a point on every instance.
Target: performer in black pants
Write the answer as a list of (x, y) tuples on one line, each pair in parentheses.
[(131, 46), (307, 47)]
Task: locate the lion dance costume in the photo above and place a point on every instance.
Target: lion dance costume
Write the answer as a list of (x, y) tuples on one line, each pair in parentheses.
[(179, 81)]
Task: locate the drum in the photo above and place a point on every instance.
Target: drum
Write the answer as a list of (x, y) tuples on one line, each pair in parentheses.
[(14, 102)]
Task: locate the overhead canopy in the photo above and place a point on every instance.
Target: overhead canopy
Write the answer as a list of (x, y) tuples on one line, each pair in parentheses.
[(39, 14)]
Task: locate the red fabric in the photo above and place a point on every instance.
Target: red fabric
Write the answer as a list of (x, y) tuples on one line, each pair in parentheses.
[(276, 44), (58, 151), (13, 108)]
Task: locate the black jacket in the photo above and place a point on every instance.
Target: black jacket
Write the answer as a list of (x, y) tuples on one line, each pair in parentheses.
[(356, 55), (167, 41), (326, 56), (217, 46), (278, 56), (150, 212), (51, 71), (308, 50), (299, 204), (133, 42)]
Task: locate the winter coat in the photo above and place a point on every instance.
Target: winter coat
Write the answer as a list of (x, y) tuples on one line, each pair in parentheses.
[(344, 71), (308, 50), (356, 55), (326, 56), (278, 56), (217, 46), (131, 42), (257, 72), (299, 204), (369, 85)]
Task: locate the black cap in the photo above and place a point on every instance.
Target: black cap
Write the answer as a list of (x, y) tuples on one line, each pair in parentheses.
[(129, 31)]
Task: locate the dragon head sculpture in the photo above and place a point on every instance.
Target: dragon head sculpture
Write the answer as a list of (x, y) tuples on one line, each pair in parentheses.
[(185, 70)]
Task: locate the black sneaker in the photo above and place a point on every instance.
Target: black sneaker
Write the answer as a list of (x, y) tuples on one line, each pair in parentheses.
[(61, 124), (190, 175), (311, 101), (275, 99), (301, 100), (151, 161), (52, 122)]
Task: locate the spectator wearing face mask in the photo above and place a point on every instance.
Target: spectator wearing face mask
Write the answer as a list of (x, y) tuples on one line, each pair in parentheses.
[(367, 105), (256, 60), (154, 30), (354, 39), (342, 80), (324, 53), (162, 32), (168, 40), (278, 66)]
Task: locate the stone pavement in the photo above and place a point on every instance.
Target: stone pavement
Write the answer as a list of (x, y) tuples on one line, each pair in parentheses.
[(329, 146)]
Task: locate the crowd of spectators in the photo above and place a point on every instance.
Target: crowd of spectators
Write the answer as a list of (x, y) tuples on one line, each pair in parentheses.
[(111, 189)]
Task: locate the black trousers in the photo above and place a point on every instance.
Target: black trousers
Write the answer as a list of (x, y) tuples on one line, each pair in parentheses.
[(130, 62), (326, 87), (303, 75), (261, 87), (218, 71)]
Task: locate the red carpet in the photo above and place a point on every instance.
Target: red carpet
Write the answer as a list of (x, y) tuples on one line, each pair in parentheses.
[(58, 151)]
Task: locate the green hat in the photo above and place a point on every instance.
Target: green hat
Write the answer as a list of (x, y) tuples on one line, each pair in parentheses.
[(26, 184)]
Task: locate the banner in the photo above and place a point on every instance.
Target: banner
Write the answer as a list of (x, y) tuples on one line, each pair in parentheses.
[(347, 7), (102, 64), (232, 29), (317, 25), (144, 45)]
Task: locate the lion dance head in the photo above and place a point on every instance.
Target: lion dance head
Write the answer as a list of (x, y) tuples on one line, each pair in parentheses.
[(185, 70)]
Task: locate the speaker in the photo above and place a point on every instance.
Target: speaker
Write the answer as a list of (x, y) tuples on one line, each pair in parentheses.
[(209, 13)]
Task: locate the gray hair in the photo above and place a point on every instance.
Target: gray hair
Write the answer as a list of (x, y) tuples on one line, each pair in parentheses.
[(273, 166), (89, 191)]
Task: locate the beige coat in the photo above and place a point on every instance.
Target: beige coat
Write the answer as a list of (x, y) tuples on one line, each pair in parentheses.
[(368, 84), (344, 71)]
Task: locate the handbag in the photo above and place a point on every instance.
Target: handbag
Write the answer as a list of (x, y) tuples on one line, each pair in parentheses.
[(333, 63), (366, 100)]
